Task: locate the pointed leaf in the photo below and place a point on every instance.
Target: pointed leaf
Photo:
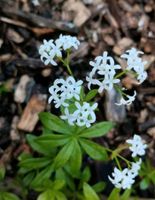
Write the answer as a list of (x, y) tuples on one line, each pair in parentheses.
[(126, 195), (60, 196), (114, 194), (52, 140), (94, 150), (89, 193), (64, 155), (97, 130), (42, 176), (75, 160), (91, 94), (9, 196), (58, 184), (54, 123), (99, 187), (47, 195), (34, 163), (41, 148)]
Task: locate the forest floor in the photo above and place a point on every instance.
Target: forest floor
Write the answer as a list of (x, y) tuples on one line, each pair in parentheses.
[(112, 26)]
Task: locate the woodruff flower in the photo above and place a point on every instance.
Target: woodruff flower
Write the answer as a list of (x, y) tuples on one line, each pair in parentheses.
[(134, 62), (122, 179), (83, 115), (67, 42), (103, 72), (50, 50), (125, 178), (128, 101), (61, 90), (137, 146)]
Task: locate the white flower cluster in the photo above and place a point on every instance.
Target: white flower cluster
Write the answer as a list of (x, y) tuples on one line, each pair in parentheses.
[(105, 68), (134, 62), (137, 146), (84, 114), (63, 90), (125, 178), (103, 73), (53, 49), (127, 101)]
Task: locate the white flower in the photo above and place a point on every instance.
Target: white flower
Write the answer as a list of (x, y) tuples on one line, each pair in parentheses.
[(105, 69), (83, 115), (135, 62), (107, 83), (137, 146), (142, 76), (135, 168), (73, 88), (91, 80), (48, 51), (67, 42), (129, 100), (122, 179), (67, 116), (61, 90)]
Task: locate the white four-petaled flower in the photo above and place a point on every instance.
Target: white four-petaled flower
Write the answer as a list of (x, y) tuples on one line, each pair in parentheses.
[(137, 146), (50, 50), (128, 101), (61, 90), (103, 72), (83, 115), (134, 62)]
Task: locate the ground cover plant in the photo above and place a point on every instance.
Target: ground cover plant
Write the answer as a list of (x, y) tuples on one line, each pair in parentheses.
[(70, 154)]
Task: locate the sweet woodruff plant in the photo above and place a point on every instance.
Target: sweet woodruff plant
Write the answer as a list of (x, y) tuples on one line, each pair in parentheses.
[(67, 139)]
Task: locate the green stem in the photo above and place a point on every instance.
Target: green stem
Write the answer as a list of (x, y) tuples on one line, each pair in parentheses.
[(121, 73), (118, 164)]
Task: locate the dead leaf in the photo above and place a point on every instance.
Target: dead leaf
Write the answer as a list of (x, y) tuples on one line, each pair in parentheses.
[(81, 12)]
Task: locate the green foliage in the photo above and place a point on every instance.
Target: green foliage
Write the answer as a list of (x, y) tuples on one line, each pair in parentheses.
[(94, 150), (8, 196), (89, 192), (54, 123), (2, 171), (147, 174), (61, 148)]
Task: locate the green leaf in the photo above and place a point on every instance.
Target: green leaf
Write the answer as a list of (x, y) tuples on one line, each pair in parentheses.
[(54, 123), (62, 175), (64, 155), (82, 94), (86, 174), (97, 130), (114, 195), (52, 140), (75, 160), (144, 184), (42, 176), (91, 94), (126, 195), (41, 148), (89, 192), (60, 196), (47, 195), (99, 187), (28, 178), (9, 196), (58, 184), (34, 163), (94, 150), (151, 175), (2, 171)]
